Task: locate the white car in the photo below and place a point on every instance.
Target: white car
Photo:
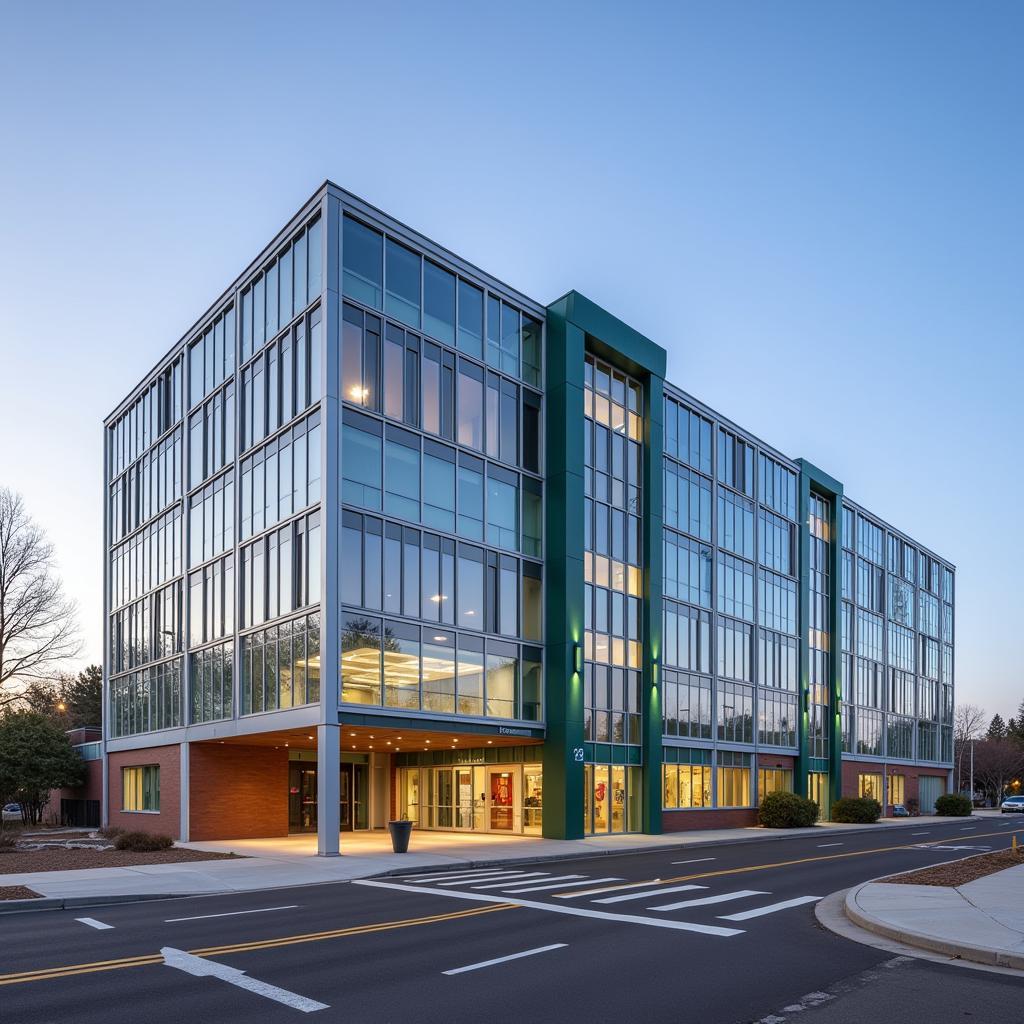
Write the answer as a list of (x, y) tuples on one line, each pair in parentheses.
[(1012, 803), (12, 812)]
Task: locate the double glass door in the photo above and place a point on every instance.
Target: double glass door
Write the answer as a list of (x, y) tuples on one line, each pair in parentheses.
[(611, 799), (302, 797), (478, 798)]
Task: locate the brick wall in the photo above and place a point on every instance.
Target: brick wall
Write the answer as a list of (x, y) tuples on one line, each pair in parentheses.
[(91, 789), (698, 818), (167, 820), (237, 792), (911, 774)]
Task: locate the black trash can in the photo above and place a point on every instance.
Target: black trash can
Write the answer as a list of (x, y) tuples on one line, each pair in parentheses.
[(400, 833)]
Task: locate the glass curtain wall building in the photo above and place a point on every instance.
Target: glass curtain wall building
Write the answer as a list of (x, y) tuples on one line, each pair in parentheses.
[(347, 579)]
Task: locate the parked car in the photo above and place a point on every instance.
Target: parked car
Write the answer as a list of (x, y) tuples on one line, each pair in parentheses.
[(1012, 803), (899, 811), (12, 812)]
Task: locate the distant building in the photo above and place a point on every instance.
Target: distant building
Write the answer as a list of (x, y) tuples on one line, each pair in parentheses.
[(80, 806), (386, 537)]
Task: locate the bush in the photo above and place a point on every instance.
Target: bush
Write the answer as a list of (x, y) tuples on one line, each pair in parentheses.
[(856, 810), (953, 805), (787, 810), (8, 839), (110, 832), (142, 842)]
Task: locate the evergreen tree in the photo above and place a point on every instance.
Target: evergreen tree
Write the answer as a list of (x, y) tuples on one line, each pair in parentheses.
[(996, 728)]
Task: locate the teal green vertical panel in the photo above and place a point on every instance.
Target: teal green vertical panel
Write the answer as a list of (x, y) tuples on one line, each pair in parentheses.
[(804, 660), (563, 567), (652, 557)]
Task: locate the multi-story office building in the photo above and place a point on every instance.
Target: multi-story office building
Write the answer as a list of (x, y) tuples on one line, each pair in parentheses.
[(386, 537)]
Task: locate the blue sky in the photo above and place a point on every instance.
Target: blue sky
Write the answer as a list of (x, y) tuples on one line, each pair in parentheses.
[(817, 209)]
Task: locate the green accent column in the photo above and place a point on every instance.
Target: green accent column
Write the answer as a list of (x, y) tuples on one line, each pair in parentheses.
[(820, 483), (653, 553), (563, 567)]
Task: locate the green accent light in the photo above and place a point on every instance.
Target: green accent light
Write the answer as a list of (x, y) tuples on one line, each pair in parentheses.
[(577, 657)]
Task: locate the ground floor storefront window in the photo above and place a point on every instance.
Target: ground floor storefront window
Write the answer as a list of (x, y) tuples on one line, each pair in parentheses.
[(869, 784), (474, 798), (817, 790), (773, 780), (897, 789), (612, 799)]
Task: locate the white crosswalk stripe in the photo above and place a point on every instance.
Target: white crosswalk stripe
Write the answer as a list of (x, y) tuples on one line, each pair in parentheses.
[(569, 885), (704, 901), (606, 888), (491, 884), (649, 894), (771, 908), (438, 876), (510, 875), (556, 883)]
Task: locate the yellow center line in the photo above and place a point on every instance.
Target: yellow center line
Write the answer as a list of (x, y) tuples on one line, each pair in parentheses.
[(810, 860), (48, 973)]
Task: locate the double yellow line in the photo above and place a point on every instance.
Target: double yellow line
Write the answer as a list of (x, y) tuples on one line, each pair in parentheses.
[(49, 973)]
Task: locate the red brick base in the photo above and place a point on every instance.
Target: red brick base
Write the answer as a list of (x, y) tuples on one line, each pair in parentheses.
[(166, 821), (699, 818), (237, 792)]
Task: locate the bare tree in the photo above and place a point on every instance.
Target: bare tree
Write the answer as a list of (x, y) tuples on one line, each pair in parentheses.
[(997, 763), (968, 724), (38, 630)]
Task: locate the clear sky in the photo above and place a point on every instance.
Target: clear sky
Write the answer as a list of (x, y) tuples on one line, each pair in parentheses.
[(816, 208)]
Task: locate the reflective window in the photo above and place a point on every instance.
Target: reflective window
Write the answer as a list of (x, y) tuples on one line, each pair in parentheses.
[(362, 251), (402, 270)]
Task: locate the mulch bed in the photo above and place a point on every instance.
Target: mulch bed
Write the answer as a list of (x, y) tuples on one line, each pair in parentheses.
[(17, 892), (16, 862), (962, 871)]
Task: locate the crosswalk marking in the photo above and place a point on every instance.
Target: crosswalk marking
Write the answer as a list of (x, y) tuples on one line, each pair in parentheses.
[(506, 886), (559, 884), (606, 888), (492, 884), (437, 876), (510, 875), (704, 901), (649, 894), (771, 908)]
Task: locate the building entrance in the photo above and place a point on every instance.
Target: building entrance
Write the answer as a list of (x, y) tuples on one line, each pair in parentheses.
[(611, 799), (477, 798), (302, 796)]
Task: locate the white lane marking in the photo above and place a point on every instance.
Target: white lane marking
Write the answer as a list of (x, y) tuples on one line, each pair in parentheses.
[(233, 913), (436, 876), (932, 846), (703, 901), (93, 923), (510, 875), (606, 888), (925, 833), (599, 915), (491, 884), (563, 885), (200, 968), (696, 860), (971, 828), (648, 894), (746, 915), (821, 846), (505, 959), (557, 878)]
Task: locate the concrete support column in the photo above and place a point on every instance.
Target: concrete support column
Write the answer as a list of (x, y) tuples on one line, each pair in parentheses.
[(184, 802), (328, 790)]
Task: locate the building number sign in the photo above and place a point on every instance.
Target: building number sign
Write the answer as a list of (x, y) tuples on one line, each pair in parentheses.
[(577, 754)]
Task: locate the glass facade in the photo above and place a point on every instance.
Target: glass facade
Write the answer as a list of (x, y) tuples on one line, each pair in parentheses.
[(362, 481)]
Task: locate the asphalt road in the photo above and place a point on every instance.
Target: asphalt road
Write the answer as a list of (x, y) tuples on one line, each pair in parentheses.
[(716, 934)]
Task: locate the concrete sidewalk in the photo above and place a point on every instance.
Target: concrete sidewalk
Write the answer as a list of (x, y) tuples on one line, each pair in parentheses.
[(292, 860), (981, 920)]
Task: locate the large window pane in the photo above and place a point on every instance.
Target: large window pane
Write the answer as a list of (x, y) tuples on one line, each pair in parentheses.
[(403, 284), (502, 508), (362, 263), (471, 406), (470, 588), (360, 463), (439, 303), (439, 487), (402, 475), (439, 672), (502, 680), (471, 319), (360, 660), (401, 665), (470, 676), (471, 498)]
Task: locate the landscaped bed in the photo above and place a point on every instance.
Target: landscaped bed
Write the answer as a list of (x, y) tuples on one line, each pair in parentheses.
[(16, 862), (17, 892), (962, 871)]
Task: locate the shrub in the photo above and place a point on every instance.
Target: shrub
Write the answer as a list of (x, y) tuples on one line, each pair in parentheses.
[(856, 810), (953, 805), (110, 832), (8, 839), (142, 842), (787, 810)]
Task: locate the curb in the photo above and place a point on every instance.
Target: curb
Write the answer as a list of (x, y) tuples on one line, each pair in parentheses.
[(73, 902), (954, 950)]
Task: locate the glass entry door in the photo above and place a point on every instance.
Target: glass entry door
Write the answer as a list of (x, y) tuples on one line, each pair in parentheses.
[(501, 792), (301, 798), (353, 793)]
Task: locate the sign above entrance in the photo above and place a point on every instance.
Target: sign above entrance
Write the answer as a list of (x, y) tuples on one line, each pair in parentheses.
[(505, 730)]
